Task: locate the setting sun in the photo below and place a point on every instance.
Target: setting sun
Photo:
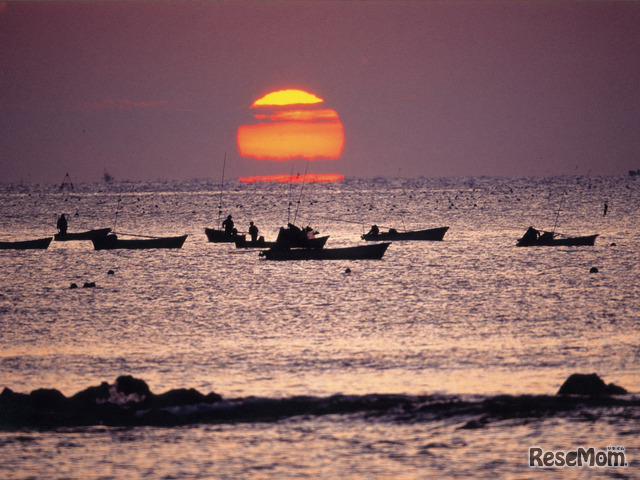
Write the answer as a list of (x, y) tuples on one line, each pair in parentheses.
[(287, 97), (289, 124)]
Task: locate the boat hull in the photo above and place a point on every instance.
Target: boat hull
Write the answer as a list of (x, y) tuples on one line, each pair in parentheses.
[(39, 244), (242, 242), (88, 235), (588, 240), (431, 234), (112, 242), (361, 252), (220, 236)]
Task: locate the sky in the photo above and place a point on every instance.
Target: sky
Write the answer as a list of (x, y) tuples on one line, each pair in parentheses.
[(158, 90)]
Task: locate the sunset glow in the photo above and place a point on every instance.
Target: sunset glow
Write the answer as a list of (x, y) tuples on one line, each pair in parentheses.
[(288, 125), (286, 178), (286, 97), (286, 140)]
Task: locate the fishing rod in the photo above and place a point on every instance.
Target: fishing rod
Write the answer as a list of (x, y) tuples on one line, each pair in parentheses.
[(555, 224), (224, 163), (136, 235), (359, 223), (115, 222), (301, 188), (290, 189)]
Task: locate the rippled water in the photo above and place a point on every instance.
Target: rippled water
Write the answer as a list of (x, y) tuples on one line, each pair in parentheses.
[(472, 315)]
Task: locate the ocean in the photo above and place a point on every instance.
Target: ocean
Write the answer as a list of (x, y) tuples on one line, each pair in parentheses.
[(441, 360)]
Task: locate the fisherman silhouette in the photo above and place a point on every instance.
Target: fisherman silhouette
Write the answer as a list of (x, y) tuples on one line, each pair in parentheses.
[(62, 224), (606, 207), (228, 226), (374, 230), (253, 231), (531, 235)]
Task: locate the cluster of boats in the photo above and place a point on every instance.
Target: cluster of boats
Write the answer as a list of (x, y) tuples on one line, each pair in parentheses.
[(292, 242), (102, 239)]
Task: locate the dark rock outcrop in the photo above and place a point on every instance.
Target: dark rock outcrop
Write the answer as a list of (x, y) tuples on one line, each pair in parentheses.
[(128, 401), (591, 385)]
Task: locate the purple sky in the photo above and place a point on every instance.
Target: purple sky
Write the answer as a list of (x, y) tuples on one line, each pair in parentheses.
[(154, 90)]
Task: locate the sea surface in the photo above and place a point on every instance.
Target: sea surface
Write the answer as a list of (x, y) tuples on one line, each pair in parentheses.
[(439, 333)]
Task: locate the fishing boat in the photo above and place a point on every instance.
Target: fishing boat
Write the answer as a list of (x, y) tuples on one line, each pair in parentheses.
[(361, 252), (39, 244), (220, 236), (88, 235), (112, 242), (535, 238), (434, 234)]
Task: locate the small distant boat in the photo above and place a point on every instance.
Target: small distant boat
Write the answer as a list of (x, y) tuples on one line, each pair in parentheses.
[(112, 242), (220, 236), (360, 252), (88, 235), (434, 234), (39, 244), (107, 177), (66, 183), (534, 238)]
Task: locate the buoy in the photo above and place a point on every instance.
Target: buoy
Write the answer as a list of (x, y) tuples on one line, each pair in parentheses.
[(73, 285), (348, 270), (110, 272), (593, 270), (613, 244), (89, 285)]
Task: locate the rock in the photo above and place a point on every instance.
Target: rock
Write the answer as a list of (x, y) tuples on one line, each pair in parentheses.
[(92, 395), (591, 385), (128, 401), (128, 385), (182, 396)]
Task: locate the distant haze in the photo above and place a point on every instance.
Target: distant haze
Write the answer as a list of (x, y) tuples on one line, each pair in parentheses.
[(148, 90)]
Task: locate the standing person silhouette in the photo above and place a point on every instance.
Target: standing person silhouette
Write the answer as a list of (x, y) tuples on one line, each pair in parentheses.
[(228, 226), (62, 224), (253, 231)]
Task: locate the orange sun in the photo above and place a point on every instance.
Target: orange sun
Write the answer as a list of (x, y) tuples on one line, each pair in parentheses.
[(291, 124)]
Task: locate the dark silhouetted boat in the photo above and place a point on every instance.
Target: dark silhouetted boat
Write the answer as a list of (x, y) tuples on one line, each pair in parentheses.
[(39, 244), (112, 242), (88, 235), (360, 252), (434, 234), (535, 238), (220, 236)]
